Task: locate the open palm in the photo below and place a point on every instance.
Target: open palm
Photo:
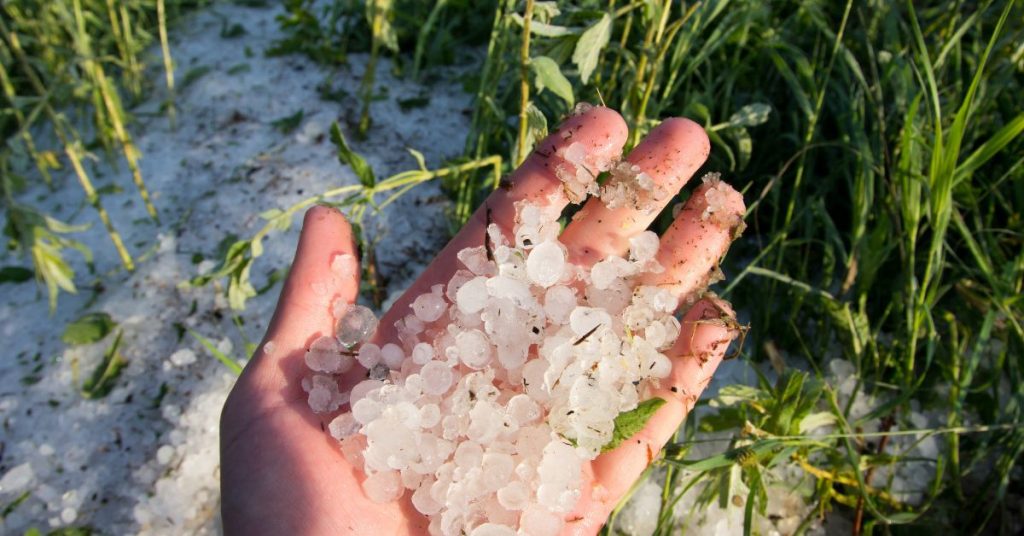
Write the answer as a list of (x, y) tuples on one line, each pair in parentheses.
[(282, 474)]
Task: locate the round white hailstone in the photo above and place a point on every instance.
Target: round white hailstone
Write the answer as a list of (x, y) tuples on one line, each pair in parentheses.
[(437, 378), (582, 107), (413, 385), (468, 454), (422, 353), (539, 521), (183, 357), (672, 329), (324, 355), (392, 355), (656, 334), (605, 272), (363, 388), (383, 487), (404, 412), (485, 423), (164, 454), (344, 265), (474, 349), (510, 288), (472, 296), (18, 477), (343, 426), (644, 246), (545, 264), (660, 366), (430, 415), (475, 259), (268, 348), (461, 277), (352, 449), (411, 479), (583, 320), (676, 209), (323, 394), (514, 496), (493, 529), (640, 515), (644, 181), (497, 469), (559, 301), (533, 380), (429, 307), (410, 325), (68, 515), (523, 409), (355, 325), (575, 153), (319, 400), (611, 300), (512, 357), (423, 502), (369, 355), (366, 410)]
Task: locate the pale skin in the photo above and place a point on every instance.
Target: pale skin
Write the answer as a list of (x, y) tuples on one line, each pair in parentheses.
[(282, 474)]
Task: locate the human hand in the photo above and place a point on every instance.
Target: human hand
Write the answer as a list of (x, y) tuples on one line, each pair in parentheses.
[(281, 474)]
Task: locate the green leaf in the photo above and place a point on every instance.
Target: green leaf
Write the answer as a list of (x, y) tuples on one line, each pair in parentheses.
[(13, 505), (101, 382), (629, 423), (289, 123), (89, 328), (536, 128), (227, 361), (588, 48), (352, 159), (420, 160), (548, 75), (744, 145), (14, 274), (729, 395), (541, 28), (986, 151), (816, 420), (751, 115), (72, 531)]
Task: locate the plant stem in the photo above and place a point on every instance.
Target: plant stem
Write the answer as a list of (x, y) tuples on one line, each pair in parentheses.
[(524, 84), (165, 51)]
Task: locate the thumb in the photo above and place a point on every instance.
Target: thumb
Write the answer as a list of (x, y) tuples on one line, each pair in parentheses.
[(325, 271)]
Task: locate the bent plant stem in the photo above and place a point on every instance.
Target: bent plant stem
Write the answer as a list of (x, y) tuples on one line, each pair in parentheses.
[(360, 195), (131, 153), (165, 51), (366, 87), (524, 84), (74, 154), (23, 127)]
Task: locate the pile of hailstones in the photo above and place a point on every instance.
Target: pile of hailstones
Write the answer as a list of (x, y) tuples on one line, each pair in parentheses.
[(505, 380)]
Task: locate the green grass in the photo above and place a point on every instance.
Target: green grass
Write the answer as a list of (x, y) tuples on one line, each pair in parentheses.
[(72, 68), (878, 148)]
